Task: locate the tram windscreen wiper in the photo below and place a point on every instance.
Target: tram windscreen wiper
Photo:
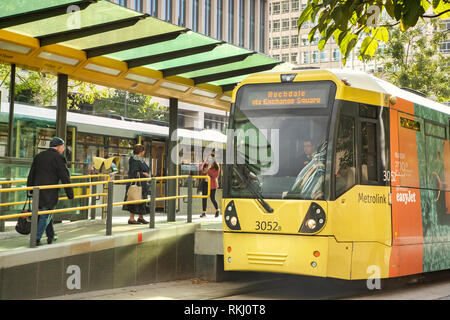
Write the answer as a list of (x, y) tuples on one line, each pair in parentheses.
[(252, 189)]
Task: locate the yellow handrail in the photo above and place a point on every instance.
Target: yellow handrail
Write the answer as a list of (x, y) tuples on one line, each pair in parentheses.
[(72, 178), (62, 198), (55, 186), (98, 194)]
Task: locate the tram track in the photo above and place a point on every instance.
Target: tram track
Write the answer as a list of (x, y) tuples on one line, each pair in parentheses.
[(431, 286)]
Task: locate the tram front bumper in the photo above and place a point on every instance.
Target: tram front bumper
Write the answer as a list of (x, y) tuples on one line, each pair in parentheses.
[(281, 253)]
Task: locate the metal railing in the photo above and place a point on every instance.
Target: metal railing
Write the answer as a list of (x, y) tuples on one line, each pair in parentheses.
[(109, 194)]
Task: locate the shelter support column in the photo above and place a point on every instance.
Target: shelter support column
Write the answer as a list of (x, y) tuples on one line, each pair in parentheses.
[(5, 197), (10, 149), (61, 106), (172, 157)]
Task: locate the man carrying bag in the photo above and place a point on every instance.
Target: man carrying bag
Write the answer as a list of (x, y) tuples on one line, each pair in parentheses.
[(48, 168)]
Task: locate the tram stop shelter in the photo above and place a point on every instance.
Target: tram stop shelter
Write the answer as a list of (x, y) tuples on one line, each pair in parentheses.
[(103, 43)]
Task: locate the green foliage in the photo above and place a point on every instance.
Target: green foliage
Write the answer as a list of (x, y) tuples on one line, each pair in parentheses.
[(132, 105), (352, 20), (412, 59)]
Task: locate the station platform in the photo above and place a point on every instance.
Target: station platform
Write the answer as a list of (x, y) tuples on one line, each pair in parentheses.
[(86, 229), (84, 259)]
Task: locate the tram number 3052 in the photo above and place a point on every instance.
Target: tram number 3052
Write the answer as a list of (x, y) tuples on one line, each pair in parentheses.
[(267, 226)]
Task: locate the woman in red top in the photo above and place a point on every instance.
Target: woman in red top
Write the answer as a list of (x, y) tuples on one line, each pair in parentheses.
[(212, 169)]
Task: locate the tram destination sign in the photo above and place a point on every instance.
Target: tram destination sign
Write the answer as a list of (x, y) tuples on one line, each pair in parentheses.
[(285, 95)]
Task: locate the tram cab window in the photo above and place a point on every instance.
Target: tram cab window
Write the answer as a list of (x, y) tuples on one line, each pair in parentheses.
[(369, 167), (345, 162)]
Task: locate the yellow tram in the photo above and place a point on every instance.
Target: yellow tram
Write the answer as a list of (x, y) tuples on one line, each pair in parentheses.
[(336, 173)]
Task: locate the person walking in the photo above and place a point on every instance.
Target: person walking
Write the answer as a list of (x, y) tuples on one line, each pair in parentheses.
[(48, 168), (138, 169), (212, 169)]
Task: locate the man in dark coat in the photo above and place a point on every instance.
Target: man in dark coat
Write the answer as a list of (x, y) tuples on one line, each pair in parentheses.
[(48, 168)]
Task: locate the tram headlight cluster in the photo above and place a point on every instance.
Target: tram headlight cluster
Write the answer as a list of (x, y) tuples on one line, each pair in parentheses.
[(231, 218), (314, 220)]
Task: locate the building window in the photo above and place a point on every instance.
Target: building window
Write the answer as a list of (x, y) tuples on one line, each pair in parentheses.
[(276, 25), (305, 57), (167, 10), (285, 57), (276, 43), (323, 56), (138, 5), (294, 41), (219, 20), (445, 46), (285, 42), (182, 13), (276, 8), (305, 40), (285, 24), (295, 5), (294, 23), (336, 55), (315, 56), (230, 21), (153, 8), (285, 6), (251, 37), (241, 22), (195, 8), (208, 17), (123, 3), (276, 56), (262, 26), (294, 58)]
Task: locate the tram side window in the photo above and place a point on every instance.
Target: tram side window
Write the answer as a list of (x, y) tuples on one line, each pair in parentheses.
[(345, 163), (369, 168)]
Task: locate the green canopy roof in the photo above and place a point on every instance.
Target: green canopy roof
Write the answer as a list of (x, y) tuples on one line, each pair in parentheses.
[(100, 28)]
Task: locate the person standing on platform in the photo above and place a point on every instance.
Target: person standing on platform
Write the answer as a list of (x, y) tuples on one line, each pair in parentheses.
[(48, 168), (212, 169), (138, 169)]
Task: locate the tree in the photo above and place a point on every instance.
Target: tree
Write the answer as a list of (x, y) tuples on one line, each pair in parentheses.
[(352, 20), (132, 105), (40, 89), (413, 59)]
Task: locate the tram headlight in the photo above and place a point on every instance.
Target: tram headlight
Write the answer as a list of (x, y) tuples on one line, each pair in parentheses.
[(231, 217), (314, 220), (311, 224)]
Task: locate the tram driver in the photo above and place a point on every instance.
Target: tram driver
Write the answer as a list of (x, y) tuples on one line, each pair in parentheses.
[(308, 152)]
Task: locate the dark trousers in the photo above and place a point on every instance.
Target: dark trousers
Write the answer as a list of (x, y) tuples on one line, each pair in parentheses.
[(45, 222), (212, 196)]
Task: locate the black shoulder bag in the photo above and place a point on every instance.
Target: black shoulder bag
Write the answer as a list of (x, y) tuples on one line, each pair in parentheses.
[(23, 225)]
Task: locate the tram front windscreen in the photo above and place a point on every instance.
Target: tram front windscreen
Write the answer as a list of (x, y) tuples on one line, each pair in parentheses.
[(278, 135)]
